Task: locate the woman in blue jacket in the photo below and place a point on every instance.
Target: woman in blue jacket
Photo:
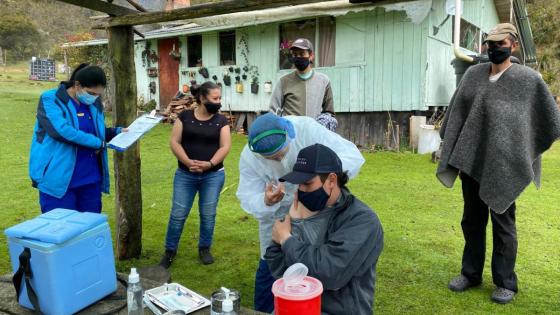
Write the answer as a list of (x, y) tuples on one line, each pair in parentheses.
[(68, 158)]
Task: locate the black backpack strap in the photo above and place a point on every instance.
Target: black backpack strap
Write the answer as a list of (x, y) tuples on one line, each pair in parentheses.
[(25, 270)]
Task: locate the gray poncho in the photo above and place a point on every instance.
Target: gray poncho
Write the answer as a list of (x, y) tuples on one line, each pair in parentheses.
[(496, 132)]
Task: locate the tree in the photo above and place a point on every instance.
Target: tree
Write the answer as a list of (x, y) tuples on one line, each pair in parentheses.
[(19, 35), (545, 25)]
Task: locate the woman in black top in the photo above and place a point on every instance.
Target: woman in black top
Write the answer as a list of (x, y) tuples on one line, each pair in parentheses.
[(200, 140)]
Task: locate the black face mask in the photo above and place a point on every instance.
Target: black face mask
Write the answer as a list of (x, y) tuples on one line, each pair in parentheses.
[(301, 63), (314, 200), (212, 108), (498, 55)]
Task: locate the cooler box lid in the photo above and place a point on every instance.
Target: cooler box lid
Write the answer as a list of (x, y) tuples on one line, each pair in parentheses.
[(56, 226)]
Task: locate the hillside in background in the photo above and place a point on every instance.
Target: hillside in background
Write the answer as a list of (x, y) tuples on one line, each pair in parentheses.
[(57, 22)]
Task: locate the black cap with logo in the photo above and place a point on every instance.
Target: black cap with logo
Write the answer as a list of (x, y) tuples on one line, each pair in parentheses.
[(312, 161)]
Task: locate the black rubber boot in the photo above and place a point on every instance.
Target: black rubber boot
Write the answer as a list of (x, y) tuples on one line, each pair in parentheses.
[(205, 256), (167, 258)]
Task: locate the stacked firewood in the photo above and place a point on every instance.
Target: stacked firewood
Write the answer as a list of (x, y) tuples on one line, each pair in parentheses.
[(177, 105), (183, 102), (230, 118)]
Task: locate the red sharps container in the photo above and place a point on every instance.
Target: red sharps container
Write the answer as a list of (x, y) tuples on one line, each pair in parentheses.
[(296, 293)]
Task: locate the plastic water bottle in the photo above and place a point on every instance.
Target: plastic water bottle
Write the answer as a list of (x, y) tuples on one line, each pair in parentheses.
[(134, 294)]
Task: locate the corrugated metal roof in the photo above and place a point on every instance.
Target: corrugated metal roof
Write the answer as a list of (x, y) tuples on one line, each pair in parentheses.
[(416, 10)]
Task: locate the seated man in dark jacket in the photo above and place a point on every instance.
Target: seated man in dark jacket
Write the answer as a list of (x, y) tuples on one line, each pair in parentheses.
[(334, 234)]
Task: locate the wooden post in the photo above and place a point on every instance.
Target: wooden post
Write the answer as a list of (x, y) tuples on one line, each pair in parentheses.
[(66, 66), (128, 194)]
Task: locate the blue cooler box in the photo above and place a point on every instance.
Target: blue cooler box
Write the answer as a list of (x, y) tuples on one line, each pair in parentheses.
[(72, 262)]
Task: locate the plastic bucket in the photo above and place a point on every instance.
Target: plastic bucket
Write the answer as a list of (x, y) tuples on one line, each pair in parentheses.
[(428, 139)]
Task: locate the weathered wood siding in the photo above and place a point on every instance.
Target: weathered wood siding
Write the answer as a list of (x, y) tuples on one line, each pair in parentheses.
[(383, 61)]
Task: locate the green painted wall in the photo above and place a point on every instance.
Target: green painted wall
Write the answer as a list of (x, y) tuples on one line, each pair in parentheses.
[(383, 61), (142, 79), (481, 13), (440, 76)]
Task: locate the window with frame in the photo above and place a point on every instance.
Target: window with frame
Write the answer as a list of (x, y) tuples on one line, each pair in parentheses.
[(470, 36), (194, 51), (227, 48), (321, 32)]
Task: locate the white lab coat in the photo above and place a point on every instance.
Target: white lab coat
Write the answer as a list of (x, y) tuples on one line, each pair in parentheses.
[(255, 172)]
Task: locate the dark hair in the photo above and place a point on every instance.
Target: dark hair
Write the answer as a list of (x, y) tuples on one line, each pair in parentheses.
[(88, 76), (342, 178), (203, 90)]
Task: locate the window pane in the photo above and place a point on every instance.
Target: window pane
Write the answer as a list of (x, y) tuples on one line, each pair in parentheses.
[(470, 36), (289, 32), (194, 49), (227, 48)]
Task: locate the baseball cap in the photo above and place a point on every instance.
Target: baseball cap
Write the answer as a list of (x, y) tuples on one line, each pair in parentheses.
[(302, 43), (311, 161), (501, 32)]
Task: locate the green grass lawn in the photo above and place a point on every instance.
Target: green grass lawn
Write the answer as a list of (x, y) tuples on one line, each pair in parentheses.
[(421, 219)]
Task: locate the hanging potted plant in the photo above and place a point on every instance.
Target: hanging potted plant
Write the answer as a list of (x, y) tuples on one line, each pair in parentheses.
[(152, 72), (238, 85), (146, 55), (215, 77), (153, 57), (226, 78), (244, 77), (255, 85), (254, 70), (204, 72), (238, 70), (175, 54)]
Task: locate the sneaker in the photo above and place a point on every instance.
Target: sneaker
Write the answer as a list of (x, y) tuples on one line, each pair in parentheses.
[(167, 258), (461, 283), (205, 256), (502, 295)]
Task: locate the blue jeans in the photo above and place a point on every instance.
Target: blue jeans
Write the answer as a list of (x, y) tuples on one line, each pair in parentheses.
[(185, 186), (264, 299), (86, 198)]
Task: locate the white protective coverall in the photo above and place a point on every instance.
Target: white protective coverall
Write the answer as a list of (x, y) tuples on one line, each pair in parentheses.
[(255, 172)]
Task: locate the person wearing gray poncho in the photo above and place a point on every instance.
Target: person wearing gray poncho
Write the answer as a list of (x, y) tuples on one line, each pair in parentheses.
[(500, 121)]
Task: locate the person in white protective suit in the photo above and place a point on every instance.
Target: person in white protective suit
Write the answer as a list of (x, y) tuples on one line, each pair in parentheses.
[(274, 143)]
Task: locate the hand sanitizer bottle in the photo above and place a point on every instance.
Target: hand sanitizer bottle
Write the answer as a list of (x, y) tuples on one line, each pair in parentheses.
[(134, 294)]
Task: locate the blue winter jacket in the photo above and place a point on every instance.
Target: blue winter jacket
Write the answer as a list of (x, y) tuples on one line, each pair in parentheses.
[(55, 142)]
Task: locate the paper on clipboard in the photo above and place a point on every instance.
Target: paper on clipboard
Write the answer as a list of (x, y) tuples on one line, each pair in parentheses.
[(136, 130)]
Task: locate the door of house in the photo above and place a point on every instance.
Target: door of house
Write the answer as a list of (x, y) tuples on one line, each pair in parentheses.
[(168, 71)]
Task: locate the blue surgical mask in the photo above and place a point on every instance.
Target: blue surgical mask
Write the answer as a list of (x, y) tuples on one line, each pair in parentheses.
[(86, 98)]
